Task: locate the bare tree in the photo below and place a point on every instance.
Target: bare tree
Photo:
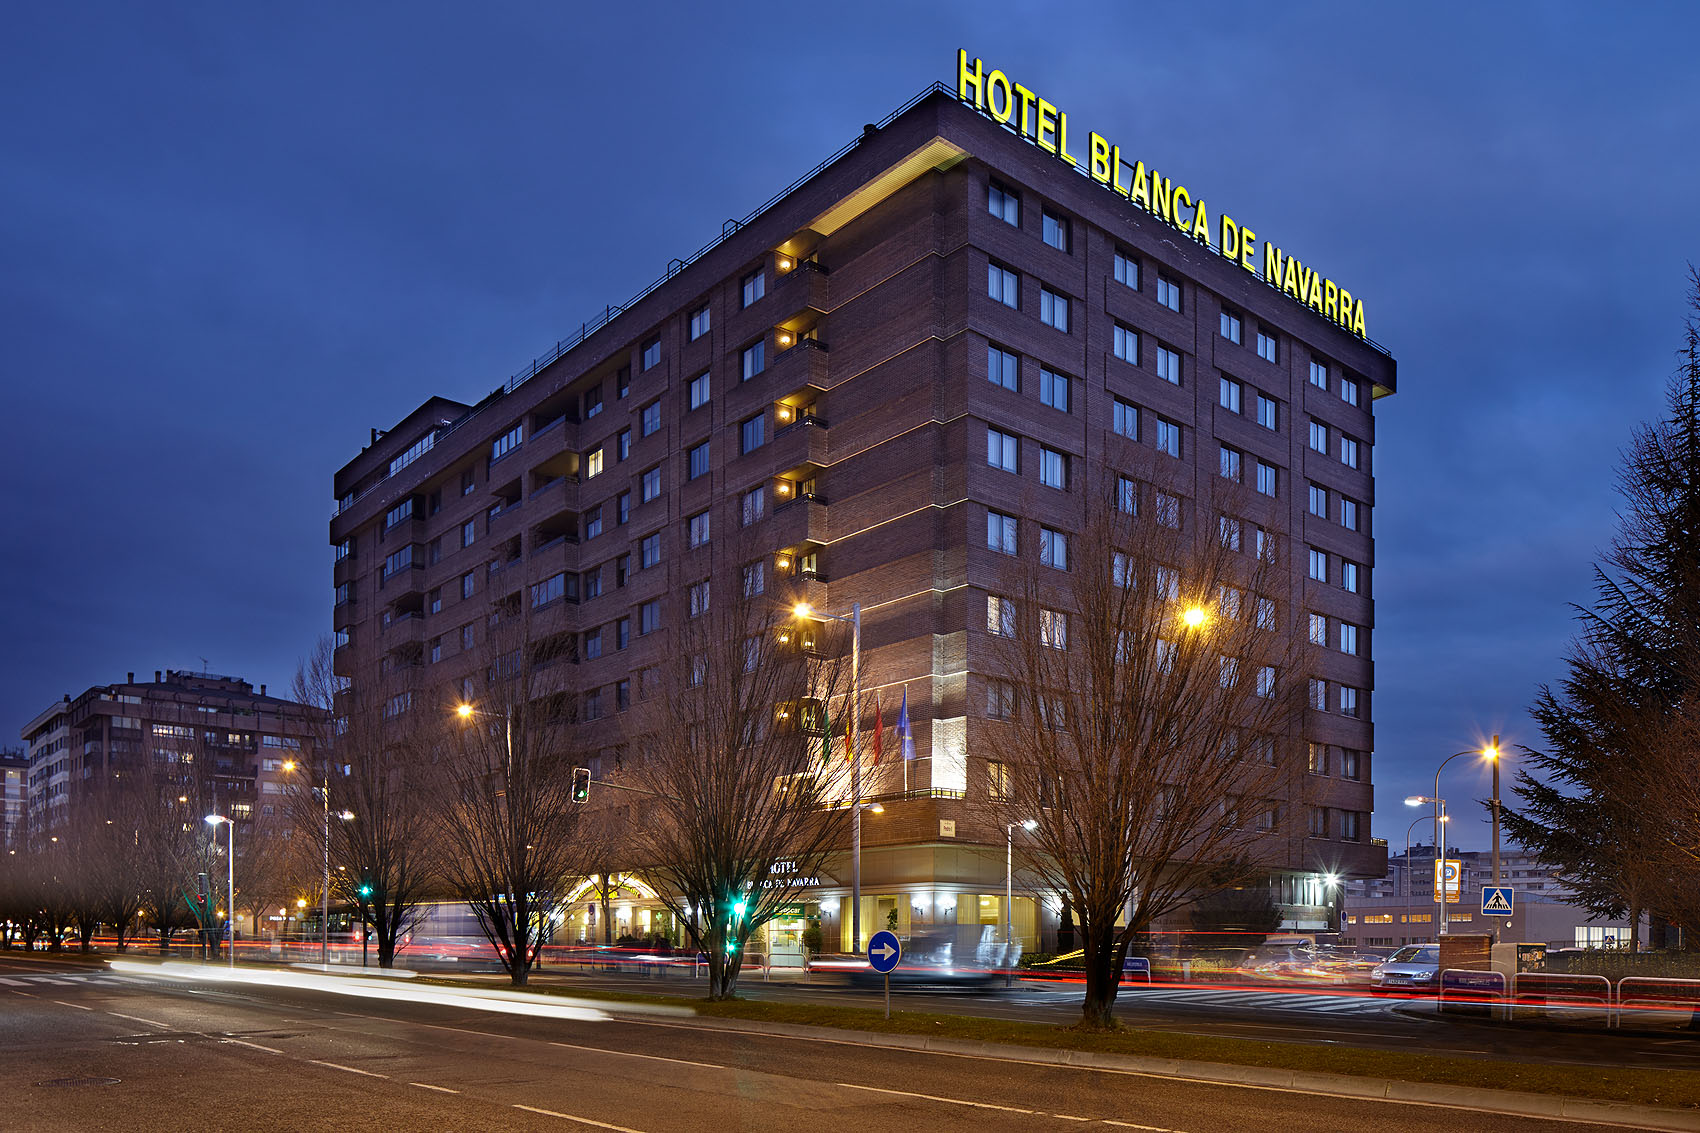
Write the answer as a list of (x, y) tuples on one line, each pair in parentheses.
[(1149, 685), (366, 787), (732, 728), (504, 780)]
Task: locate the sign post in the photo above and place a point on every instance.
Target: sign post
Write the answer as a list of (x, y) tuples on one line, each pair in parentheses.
[(884, 950)]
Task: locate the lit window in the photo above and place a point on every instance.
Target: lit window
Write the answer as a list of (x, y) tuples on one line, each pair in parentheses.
[(651, 356), (1127, 270), (1268, 412), (754, 359), (1231, 327), (1002, 451), (1266, 346), (1000, 532), (1126, 344), (1053, 309), (1168, 365), (699, 390), (1056, 232), (1053, 389), (1053, 548), (1230, 395), (1124, 419), (753, 286), (1005, 204), (1168, 292), (1003, 368), (1053, 469), (1168, 437), (1003, 285), (699, 322), (1231, 463)]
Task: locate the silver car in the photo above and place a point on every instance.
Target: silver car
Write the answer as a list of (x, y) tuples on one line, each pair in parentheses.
[(1412, 968)]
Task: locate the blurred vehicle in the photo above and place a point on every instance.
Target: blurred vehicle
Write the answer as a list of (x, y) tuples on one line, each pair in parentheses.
[(1348, 965), (969, 956), (1412, 968)]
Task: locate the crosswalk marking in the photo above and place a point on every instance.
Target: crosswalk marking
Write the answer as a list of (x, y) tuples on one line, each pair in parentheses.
[(11, 983), (1267, 1001)]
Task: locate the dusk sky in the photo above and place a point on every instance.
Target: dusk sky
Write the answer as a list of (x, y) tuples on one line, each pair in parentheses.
[(234, 239)]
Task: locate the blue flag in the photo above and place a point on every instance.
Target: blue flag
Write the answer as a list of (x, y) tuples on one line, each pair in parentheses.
[(905, 734)]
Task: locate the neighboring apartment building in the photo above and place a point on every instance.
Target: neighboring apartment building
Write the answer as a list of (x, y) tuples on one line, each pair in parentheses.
[(14, 788), (1399, 908), (886, 382), (241, 738)]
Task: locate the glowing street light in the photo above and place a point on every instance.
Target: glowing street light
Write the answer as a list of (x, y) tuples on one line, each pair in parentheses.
[(1194, 616), (1029, 825), (230, 883), (805, 611)]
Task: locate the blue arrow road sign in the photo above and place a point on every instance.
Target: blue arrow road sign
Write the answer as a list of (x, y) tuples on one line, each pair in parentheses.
[(1497, 899), (883, 951)]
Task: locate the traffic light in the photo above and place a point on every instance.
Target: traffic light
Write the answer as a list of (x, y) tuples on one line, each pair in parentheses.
[(365, 890), (581, 784), (201, 887)]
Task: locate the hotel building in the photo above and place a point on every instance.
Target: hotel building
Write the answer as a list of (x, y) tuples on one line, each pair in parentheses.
[(876, 389)]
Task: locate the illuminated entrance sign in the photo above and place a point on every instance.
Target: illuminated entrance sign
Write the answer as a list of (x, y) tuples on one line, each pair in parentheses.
[(1009, 103)]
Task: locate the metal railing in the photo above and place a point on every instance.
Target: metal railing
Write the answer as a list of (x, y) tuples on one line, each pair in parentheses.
[(1570, 994)]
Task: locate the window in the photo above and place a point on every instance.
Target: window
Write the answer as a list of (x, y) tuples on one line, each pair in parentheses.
[(697, 461), (1168, 292), (1231, 327), (1316, 759), (623, 445), (1349, 391), (593, 583), (754, 359), (699, 322), (1266, 613), (593, 523), (1350, 829), (1000, 616), (1053, 548), (622, 694), (1056, 232), (755, 578), (1232, 459), (622, 632), (1127, 270), (1349, 576), (1124, 419), (696, 528), (1319, 500), (622, 382), (436, 650), (1168, 365), (649, 551), (1318, 629), (651, 483), (1005, 204), (649, 617), (1003, 368), (753, 505), (1349, 638), (1319, 822), (1003, 285), (499, 448), (1349, 513), (549, 590), (434, 600), (1053, 309), (1319, 695), (1318, 373), (466, 639), (1168, 437), (468, 532), (434, 551), (753, 286), (1127, 495), (1348, 701), (1266, 347), (466, 482), (1319, 565), (649, 418), (402, 511), (593, 463), (1318, 437), (1348, 451), (1000, 532), (1349, 763), (698, 597), (1053, 629), (1230, 395), (344, 549), (1268, 413), (1126, 345), (622, 570), (699, 390), (1002, 450), (1053, 389), (467, 584), (752, 433), (1169, 510), (1053, 469), (1000, 705)]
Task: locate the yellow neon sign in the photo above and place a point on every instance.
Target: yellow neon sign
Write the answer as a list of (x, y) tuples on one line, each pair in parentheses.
[(1011, 104)]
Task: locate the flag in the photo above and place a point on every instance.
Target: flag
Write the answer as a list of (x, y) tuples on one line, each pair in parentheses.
[(905, 734), (879, 729)]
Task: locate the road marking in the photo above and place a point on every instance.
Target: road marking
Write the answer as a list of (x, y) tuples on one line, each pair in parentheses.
[(136, 1019), (934, 1098), (1132, 1125), (429, 1086), (580, 1120), (350, 1069), (256, 1046), (50, 980), (1069, 1117), (78, 1006), (11, 983), (651, 1057)]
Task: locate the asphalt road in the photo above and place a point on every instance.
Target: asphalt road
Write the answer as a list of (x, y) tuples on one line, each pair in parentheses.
[(83, 1049)]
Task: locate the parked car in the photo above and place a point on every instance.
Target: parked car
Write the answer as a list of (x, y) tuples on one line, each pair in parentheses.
[(1412, 968)]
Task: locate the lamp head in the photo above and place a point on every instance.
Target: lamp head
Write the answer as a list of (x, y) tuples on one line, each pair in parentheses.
[(1194, 616), (803, 610), (1416, 800), (464, 711), (289, 765), (215, 819), (1030, 824)]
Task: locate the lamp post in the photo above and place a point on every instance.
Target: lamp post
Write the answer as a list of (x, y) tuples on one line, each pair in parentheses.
[(1491, 754), (230, 884), (467, 712), (804, 610), (325, 893), (1440, 820), (1029, 825), (1408, 802)]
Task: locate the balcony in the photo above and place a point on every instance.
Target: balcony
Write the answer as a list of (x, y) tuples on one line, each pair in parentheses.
[(554, 495), (345, 614), (802, 366), (803, 288), (800, 521), (404, 581), (803, 441), (404, 628)]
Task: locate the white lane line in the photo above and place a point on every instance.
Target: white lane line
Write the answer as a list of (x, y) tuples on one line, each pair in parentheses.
[(429, 1086), (78, 1006), (11, 983), (650, 1057), (1069, 1117), (138, 1019), (1133, 1125), (350, 1069), (580, 1120), (256, 1046), (934, 1098), (50, 980)]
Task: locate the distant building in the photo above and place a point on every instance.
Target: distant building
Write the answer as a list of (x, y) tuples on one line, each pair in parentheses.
[(243, 738), (14, 778), (1400, 908)]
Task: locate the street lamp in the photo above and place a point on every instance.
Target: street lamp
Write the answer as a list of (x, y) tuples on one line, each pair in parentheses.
[(1029, 825), (467, 712), (230, 883), (1491, 754), (804, 610), (1440, 820), (1414, 800), (325, 893)]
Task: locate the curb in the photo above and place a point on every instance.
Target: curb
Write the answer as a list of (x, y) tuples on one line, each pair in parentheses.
[(1510, 1102)]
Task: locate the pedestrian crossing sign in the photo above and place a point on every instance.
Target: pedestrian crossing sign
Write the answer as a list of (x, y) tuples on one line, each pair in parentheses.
[(1496, 900)]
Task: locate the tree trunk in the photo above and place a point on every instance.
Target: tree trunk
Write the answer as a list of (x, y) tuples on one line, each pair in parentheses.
[(607, 900), (1634, 927), (1065, 928), (1103, 978)]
